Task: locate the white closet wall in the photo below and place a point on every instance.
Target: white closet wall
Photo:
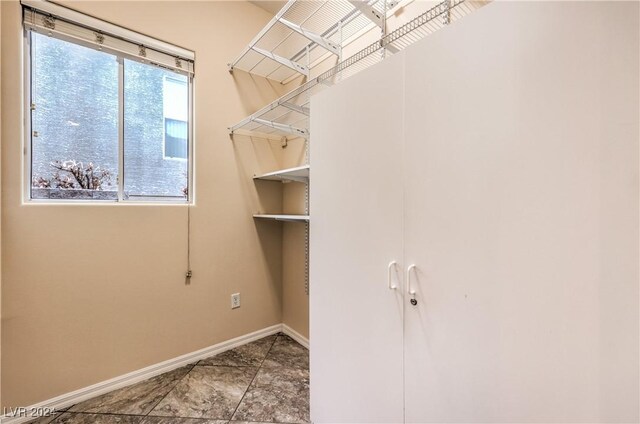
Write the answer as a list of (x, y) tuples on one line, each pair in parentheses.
[(359, 204), (521, 209), (504, 152)]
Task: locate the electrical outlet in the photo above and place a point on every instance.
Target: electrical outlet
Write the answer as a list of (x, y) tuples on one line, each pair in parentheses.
[(235, 300)]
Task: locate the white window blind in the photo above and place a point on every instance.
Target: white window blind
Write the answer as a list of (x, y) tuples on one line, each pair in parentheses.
[(49, 18)]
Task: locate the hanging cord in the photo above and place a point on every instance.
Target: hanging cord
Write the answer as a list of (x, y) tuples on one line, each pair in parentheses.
[(188, 273)]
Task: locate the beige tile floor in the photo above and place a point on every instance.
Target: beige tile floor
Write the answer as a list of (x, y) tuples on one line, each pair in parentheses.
[(266, 381)]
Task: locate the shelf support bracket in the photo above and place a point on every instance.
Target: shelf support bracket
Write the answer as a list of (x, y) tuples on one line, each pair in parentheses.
[(369, 12), (283, 61), (261, 34), (312, 36), (393, 49), (289, 179), (300, 109), (300, 132)]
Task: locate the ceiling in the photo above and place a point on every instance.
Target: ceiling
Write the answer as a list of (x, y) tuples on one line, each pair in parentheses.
[(270, 6)]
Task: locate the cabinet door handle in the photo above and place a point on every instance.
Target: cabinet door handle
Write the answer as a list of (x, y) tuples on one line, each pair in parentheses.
[(392, 264), (410, 290)]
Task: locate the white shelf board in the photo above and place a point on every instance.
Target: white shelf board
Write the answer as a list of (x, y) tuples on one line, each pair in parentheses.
[(291, 218), (300, 174)]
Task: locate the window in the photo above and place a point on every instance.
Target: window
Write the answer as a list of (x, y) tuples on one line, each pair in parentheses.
[(105, 124)]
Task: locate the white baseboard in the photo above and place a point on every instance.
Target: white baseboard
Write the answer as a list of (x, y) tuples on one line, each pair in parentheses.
[(77, 396), (295, 335)]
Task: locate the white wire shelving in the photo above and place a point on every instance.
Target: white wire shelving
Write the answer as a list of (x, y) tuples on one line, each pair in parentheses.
[(288, 116), (303, 33)]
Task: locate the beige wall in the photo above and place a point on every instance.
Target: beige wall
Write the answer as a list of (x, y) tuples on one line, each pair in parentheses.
[(91, 292), (295, 301)]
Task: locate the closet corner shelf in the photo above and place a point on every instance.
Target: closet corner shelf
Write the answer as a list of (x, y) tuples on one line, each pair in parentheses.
[(289, 218), (299, 174)]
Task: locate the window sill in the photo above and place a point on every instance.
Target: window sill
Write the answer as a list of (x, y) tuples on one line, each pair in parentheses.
[(45, 202), (56, 196)]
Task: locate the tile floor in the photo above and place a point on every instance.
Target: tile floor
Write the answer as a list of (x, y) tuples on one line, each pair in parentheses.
[(266, 381)]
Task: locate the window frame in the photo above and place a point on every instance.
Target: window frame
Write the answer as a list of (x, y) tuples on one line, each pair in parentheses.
[(28, 130)]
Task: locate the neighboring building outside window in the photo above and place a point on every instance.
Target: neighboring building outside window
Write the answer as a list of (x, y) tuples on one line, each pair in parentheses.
[(176, 130)]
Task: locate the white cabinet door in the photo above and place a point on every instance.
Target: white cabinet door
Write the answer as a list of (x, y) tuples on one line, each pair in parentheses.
[(356, 231), (521, 210)]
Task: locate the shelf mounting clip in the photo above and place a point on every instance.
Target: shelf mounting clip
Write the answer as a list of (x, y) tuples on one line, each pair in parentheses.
[(368, 11)]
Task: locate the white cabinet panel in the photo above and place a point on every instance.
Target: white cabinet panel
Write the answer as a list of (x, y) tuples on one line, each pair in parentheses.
[(356, 230), (500, 156), (521, 215)]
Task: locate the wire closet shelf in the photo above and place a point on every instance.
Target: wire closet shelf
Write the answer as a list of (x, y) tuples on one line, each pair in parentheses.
[(288, 116), (304, 33)]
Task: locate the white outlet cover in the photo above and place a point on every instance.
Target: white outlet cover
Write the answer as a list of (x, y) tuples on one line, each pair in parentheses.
[(235, 300)]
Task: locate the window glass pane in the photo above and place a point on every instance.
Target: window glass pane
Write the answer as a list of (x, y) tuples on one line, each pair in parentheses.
[(175, 138), (74, 148), (155, 131)]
